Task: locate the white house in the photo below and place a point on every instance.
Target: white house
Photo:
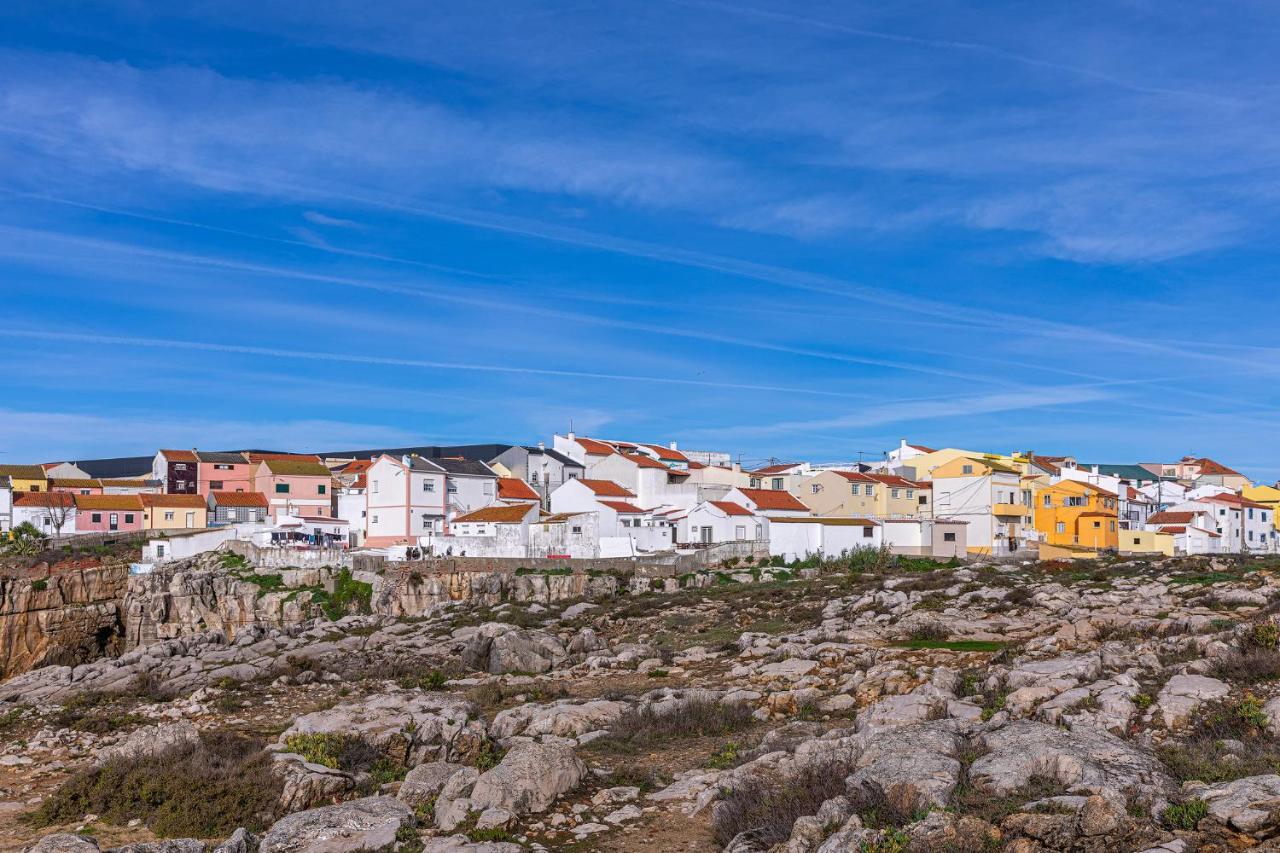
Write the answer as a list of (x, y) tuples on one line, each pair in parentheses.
[(795, 538), (405, 500), (469, 484), (53, 513), (721, 521), (1246, 526), (925, 537), (6, 504), (784, 476), (543, 468), (1193, 528), (625, 528)]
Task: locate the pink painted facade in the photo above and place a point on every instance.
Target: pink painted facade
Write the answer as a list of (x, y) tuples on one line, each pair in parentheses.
[(105, 513), (224, 477), (289, 493)]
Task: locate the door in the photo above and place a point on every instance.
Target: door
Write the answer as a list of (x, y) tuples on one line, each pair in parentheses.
[(191, 520), (113, 521), (705, 535)]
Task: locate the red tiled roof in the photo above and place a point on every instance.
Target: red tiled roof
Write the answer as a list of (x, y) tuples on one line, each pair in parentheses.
[(777, 469), (606, 488), (1172, 518), (74, 483), (667, 453), (182, 501), (884, 479), (696, 466), (515, 489), (503, 513), (301, 457), (180, 455), (922, 448), (731, 508), (43, 499), (257, 499), (773, 499), (645, 461), (623, 507), (1209, 466), (109, 502), (1235, 500), (595, 448)]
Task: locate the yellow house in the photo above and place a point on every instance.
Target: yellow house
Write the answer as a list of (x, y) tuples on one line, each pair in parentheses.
[(924, 465), (174, 512), (1146, 542), (1267, 496), (26, 478), (1070, 512), (853, 494)]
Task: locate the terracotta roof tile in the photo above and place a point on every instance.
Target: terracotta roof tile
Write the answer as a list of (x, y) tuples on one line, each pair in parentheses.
[(44, 499), (731, 508), (606, 488), (180, 455), (595, 448), (251, 499), (124, 503), (178, 501), (774, 499), (515, 489), (502, 513), (623, 507)]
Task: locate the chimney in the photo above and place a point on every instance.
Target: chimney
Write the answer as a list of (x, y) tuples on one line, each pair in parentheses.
[(737, 466), (673, 446), (542, 445), (1095, 470), (571, 436)]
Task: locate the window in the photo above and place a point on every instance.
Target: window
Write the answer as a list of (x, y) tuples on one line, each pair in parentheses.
[(911, 493), (1111, 525), (895, 493), (576, 529), (533, 478), (488, 487), (870, 490), (815, 488), (1062, 527), (222, 467), (777, 483), (375, 518), (1097, 524), (179, 466), (1137, 541), (215, 485), (128, 518), (966, 469), (428, 485), (168, 515), (948, 537), (160, 549), (855, 488), (924, 499), (96, 517), (282, 488), (573, 475), (740, 532), (1048, 500), (320, 489), (868, 532), (451, 486), (231, 514), (1250, 513), (374, 486)]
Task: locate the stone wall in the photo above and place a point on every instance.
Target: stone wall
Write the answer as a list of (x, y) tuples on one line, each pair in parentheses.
[(407, 591)]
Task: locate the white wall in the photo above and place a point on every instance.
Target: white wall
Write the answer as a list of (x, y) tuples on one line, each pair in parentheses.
[(39, 516)]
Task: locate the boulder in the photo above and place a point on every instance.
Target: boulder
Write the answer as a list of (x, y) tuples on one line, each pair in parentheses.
[(241, 841), (498, 648), (150, 741), (563, 719), (63, 842), (424, 782), (408, 725), (369, 824), (462, 844), (1182, 694), (173, 845), (1250, 805), (529, 778), (307, 785), (1085, 760)]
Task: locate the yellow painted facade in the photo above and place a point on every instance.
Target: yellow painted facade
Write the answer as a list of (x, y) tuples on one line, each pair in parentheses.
[(846, 494), (1268, 496), (1073, 513), (25, 478), (1146, 542)]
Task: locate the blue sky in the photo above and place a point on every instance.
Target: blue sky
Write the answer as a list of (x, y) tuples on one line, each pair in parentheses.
[(800, 230)]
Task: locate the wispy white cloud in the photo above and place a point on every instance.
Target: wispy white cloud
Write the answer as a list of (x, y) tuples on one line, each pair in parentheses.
[(318, 218)]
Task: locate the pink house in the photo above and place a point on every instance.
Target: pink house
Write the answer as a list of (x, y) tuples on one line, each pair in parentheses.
[(223, 472), (294, 485), (106, 513)]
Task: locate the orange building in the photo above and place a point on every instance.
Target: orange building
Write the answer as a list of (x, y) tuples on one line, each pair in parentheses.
[(1070, 512)]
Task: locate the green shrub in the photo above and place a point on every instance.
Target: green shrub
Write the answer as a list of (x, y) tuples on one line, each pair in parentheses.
[(39, 585), (202, 791), (1264, 635), (724, 757), (1185, 815), (319, 748)]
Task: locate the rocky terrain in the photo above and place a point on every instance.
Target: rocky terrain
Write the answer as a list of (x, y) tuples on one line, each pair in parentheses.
[(863, 704)]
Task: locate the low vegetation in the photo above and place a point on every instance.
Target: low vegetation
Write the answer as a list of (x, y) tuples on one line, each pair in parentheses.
[(647, 726), (201, 791), (767, 807)]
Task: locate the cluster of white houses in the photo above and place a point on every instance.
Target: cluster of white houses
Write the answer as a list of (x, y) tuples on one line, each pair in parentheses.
[(590, 497)]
